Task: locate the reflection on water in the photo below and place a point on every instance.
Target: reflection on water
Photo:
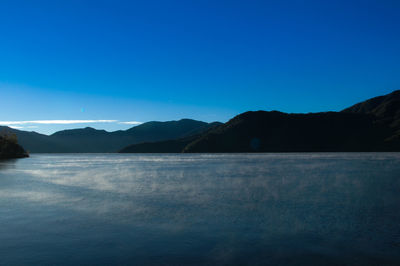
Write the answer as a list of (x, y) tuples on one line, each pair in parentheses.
[(7, 163), (289, 209)]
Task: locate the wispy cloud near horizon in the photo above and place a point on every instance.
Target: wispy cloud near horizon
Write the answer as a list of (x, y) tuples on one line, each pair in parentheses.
[(55, 122), (20, 127), (131, 123), (16, 127), (51, 126)]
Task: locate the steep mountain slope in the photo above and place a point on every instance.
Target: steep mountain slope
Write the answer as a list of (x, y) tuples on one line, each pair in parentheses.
[(386, 110), (384, 107)]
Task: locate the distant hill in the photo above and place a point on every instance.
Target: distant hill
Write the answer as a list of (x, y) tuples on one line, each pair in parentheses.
[(368, 126), (168, 146), (155, 131), (93, 140), (33, 141), (9, 148)]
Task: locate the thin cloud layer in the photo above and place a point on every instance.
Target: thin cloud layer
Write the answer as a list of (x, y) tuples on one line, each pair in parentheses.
[(131, 123), (16, 127), (51, 126), (55, 122)]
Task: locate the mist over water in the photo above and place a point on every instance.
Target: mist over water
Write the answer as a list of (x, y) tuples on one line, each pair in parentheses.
[(213, 209)]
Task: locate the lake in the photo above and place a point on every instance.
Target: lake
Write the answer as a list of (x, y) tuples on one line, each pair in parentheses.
[(201, 209)]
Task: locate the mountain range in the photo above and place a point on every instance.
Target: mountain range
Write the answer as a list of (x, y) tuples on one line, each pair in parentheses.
[(372, 125), (92, 140)]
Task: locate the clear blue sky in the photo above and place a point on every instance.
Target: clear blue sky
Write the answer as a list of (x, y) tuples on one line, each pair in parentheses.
[(206, 60)]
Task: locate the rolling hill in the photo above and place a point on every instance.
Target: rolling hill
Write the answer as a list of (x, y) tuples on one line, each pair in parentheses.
[(167, 146), (93, 140)]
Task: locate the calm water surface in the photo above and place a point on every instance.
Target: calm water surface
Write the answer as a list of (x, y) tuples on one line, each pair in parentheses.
[(254, 209)]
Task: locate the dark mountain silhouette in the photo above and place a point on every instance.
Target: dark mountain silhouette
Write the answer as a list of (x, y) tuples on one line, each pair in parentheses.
[(9, 148), (385, 109), (372, 125), (88, 140), (33, 141), (368, 126), (167, 146), (280, 132), (93, 140)]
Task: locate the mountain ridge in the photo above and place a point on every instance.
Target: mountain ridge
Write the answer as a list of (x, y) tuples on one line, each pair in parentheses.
[(371, 125), (385, 108), (167, 146), (367, 126), (95, 140)]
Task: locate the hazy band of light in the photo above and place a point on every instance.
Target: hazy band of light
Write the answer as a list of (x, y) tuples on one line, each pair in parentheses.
[(55, 122), (24, 127), (131, 123)]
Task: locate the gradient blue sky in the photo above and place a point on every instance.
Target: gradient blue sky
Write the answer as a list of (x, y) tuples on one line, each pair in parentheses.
[(206, 60)]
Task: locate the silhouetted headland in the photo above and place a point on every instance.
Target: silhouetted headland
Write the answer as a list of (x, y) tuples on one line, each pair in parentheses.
[(10, 149)]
